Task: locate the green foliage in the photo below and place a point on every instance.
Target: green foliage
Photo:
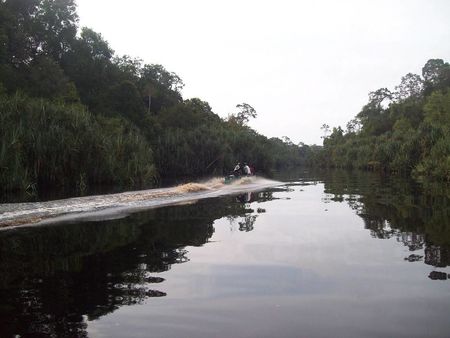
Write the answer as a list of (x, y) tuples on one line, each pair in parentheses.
[(124, 99), (406, 131), (54, 27), (46, 79), (163, 87), (245, 113), (52, 144), (436, 142), (436, 74), (191, 140)]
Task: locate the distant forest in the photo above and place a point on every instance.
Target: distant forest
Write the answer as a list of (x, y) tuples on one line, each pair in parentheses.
[(73, 113), (405, 131)]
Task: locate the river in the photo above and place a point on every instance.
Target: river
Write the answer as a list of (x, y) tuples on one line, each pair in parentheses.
[(331, 254)]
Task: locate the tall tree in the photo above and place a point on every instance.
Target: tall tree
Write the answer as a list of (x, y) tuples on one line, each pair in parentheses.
[(55, 27), (436, 74), (244, 114), (410, 87), (89, 66), (163, 87)]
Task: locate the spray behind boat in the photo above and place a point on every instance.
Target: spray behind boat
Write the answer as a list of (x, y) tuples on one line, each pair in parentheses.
[(120, 205)]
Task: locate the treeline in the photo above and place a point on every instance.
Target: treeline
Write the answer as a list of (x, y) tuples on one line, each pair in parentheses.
[(406, 130), (73, 113)]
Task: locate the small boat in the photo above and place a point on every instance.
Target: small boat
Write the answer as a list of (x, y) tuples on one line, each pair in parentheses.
[(231, 178), (235, 178)]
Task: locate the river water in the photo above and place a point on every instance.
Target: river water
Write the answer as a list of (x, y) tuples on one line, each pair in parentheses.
[(309, 255)]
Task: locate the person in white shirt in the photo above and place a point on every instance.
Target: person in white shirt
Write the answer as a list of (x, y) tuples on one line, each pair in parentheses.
[(247, 170)]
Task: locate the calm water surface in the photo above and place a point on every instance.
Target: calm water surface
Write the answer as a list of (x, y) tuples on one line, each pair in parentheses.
[(323, 255)]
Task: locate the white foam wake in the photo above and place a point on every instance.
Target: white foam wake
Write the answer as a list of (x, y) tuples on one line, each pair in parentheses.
[(119, 205)]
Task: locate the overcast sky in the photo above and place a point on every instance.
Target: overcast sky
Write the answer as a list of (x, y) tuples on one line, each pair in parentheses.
[(300, 64)]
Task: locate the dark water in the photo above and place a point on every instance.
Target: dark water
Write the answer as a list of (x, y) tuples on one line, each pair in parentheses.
[(325, 255)]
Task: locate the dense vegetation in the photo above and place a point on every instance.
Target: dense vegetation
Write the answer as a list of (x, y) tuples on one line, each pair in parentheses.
[(405, 131), (73, 113)]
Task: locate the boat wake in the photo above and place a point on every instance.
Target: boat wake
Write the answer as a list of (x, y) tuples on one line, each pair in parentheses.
[(112, 206)]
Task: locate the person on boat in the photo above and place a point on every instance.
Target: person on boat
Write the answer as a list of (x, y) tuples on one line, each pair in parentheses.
[(237, 170), (247, 170)]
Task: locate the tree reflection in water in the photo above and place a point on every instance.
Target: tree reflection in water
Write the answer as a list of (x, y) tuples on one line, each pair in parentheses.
[(416, 215), (55, 278)]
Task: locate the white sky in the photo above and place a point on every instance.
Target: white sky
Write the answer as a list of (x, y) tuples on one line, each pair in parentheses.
[(298, 63)]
